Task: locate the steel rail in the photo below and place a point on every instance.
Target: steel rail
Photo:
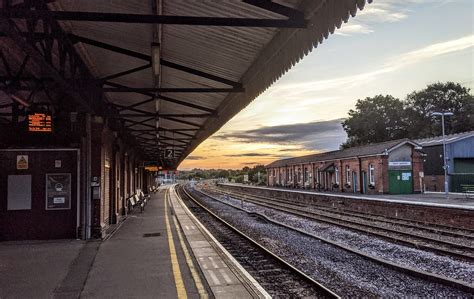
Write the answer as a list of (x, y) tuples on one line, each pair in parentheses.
[(292, 268), (434, 228), (361, 227)]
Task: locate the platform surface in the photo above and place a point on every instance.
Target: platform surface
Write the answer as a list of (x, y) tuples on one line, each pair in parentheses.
[(160, 253), (132, 264), (457, 201), (225, 277)]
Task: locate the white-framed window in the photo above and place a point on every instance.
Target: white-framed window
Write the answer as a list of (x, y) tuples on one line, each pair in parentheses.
[(336, 171), (348, 174), (306, 175), (371, 174)]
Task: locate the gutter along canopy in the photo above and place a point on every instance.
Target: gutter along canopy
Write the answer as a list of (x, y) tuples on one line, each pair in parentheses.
[(382, 148), (175, 72)]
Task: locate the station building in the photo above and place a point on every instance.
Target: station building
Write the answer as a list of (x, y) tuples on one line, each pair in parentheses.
[(90, 91), (394, 167), (460, 161), (43, 189)]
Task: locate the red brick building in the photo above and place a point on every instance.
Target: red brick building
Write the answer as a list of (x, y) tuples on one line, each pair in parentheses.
[(389, 167)]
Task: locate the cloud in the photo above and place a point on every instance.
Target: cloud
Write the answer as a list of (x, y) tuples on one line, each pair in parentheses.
[(195, 158), (319, 135), (434, 50), (382, 11), (351, 29), (250, 155), (298, 90)]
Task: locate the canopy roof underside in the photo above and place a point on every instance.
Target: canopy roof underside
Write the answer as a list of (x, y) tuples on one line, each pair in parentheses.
[(207, 73)]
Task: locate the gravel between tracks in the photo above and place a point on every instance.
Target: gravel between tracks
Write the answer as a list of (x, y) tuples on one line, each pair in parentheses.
[(374, 246), (340, 270)]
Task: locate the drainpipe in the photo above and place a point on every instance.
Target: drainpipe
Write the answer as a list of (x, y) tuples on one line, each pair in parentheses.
[(88, 171), (361, 180)]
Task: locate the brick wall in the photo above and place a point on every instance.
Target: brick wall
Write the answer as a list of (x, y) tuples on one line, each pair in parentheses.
[(434, 183), (417, 162), (458, 218)]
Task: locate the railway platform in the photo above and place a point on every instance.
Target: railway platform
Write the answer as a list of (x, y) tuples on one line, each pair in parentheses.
[(430, 207), (434, 199), (162, 252)]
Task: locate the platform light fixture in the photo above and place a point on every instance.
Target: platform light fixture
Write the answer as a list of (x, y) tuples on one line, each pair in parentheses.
[(155, 58), (445, 160)]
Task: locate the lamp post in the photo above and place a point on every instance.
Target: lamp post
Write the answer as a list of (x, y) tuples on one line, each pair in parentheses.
[(445, 160)]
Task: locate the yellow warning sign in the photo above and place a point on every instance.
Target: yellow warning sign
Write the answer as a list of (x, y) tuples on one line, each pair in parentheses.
[(22, 162)]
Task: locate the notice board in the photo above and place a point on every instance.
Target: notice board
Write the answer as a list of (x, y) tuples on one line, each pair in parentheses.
[(58, 191)]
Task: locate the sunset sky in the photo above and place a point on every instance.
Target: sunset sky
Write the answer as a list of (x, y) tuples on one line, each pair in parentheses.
[(391, 47)]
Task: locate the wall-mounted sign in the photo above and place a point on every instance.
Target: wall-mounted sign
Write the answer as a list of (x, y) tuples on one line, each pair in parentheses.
[(406, 176), (95, 181), (169, 153), (40, 122), (151, 168), (21, 162), (58, 191), (399, 163)]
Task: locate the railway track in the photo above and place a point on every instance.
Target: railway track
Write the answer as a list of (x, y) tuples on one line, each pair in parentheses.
[(453, 242), (279, 278), (458, 284)]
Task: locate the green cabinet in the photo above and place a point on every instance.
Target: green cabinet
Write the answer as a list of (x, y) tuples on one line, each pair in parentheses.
[(400, 181)]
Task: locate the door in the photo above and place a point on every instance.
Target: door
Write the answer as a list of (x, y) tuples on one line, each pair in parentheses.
[(354, 181), (401, 181), (364, 182)]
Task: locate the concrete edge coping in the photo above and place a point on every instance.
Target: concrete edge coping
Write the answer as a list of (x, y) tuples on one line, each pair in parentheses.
[(235, 266), (419, 203)]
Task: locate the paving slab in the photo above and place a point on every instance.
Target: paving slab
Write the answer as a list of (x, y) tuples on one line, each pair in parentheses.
[(130, 265), (34, 269), (225, 277)]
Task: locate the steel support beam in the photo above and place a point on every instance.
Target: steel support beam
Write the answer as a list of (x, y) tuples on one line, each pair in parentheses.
[(164, 115), (168, 99), (48, 67), (167, 89), (276, 8), (153, 19), (127, 72)]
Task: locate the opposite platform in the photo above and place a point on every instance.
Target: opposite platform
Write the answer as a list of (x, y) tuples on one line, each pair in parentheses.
[(432, 199)]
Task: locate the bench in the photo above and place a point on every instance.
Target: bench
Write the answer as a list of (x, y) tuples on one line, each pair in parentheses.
[(134, 201), (468, 190), (143, 196), (140, 199)]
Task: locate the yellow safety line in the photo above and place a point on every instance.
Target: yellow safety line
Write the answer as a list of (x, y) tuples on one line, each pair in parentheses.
[(197, 280), (180, 289)]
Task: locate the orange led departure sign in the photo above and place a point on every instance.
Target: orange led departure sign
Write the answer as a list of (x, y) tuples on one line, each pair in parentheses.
[(40, 122), (151, 168)]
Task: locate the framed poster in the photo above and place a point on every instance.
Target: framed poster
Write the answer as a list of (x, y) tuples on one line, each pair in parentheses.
[(58, 191)]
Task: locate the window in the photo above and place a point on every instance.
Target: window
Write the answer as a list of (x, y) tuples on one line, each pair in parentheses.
[(371, 174), (306, 176), (337, 174), (348, 175)]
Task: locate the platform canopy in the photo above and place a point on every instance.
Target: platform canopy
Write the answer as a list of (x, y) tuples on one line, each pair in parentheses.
[(169, 72)]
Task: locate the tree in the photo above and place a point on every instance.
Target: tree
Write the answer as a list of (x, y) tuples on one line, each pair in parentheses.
[(439, 97), (375, 119)]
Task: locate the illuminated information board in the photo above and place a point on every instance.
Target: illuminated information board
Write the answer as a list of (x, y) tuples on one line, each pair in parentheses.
[(40, 122)]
